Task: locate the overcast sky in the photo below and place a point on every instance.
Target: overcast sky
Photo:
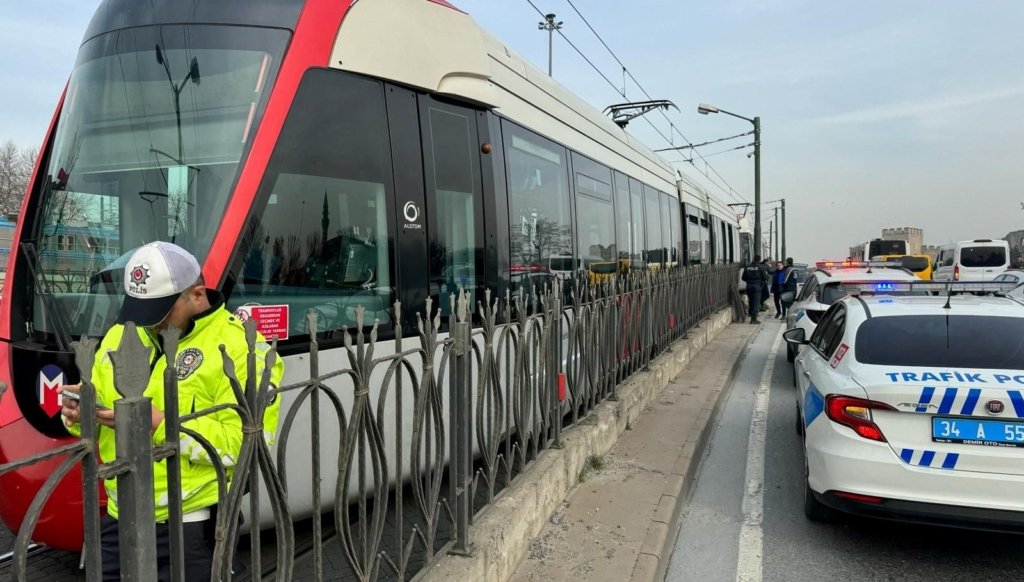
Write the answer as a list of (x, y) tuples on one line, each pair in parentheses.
[(874, 114)]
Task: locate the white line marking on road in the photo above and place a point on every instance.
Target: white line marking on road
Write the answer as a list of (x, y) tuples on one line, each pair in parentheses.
[(749, 560)]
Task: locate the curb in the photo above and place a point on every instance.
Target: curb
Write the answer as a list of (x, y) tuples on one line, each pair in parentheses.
[(652, 564)]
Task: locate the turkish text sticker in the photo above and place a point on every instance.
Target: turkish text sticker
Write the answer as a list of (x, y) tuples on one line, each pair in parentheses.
[(271, 320), (839, 355)]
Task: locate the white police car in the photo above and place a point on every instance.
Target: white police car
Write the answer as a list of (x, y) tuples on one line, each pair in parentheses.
[(822, 289), (912, 407)]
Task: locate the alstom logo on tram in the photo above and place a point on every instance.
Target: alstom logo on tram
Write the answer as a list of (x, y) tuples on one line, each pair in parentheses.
[(314, 169)]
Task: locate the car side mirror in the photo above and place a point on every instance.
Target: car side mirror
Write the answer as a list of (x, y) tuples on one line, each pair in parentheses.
[(796, 336)]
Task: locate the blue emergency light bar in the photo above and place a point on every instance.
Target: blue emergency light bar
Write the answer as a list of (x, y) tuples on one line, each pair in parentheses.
[(901, 287)]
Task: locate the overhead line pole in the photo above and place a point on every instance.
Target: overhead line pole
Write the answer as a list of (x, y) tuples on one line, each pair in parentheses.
[(784, 229)]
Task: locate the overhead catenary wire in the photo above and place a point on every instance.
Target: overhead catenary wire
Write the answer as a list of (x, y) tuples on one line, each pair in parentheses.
[(672, 127), (744, 146), (697, 145), (727, 188)]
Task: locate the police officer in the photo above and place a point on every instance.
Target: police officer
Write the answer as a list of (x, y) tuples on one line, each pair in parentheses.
[(777, 276), (756, 278), (165, 288), (788, 285)]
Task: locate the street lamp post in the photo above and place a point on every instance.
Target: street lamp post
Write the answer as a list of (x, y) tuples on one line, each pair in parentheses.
[(704, 109), (551, 26)]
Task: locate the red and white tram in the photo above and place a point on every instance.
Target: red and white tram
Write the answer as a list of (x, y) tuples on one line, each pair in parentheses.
[(314, 154)]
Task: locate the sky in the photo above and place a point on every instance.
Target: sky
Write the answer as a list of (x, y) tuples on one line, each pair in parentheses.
[(874, 114)]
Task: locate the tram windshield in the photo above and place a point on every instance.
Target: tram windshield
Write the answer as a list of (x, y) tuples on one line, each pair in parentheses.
[(155, 122)]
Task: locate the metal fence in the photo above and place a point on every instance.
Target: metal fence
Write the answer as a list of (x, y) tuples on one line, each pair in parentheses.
[(427, 435)]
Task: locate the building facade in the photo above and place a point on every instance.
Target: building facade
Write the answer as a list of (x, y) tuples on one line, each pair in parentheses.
[(1016, 240)]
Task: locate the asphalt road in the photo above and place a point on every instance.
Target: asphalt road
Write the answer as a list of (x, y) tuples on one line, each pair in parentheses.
[(792, 548)]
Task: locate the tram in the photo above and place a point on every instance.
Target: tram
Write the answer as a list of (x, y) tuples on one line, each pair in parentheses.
[(314, 154)]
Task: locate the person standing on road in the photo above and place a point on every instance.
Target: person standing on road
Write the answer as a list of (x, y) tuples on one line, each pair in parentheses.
[(755, 278), (788, 285), (164, 288), (777, 288), (766, 287)]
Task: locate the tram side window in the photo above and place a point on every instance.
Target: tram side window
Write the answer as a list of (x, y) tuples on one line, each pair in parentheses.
[(705, 235), (636, 196), (677, 231), (655, 252), (538, 208), (732, 244), (666, 229), (595, 218), (623, 220), (694, 244), (322, 241)]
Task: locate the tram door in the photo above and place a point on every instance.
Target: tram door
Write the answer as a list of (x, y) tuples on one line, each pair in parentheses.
[(452, 185)]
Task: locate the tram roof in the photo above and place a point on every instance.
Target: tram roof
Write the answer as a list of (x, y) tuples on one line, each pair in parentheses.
[(457, 57)]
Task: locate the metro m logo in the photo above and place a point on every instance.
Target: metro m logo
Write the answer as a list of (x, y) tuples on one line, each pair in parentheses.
[(51, 378)]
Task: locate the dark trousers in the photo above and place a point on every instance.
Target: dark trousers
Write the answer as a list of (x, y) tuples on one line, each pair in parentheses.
[(753, 300), (778, 302), (199, 541)]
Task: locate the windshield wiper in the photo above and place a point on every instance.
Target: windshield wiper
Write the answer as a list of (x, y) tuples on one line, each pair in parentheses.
[(57, 318)]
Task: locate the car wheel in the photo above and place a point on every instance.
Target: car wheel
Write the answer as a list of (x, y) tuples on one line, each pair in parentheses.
[(814, 510), (790, 353), (799, 422)]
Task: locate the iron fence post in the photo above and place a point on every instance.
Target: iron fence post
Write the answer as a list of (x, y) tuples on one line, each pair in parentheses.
[(133, 420), (554, 372), (461, 418)]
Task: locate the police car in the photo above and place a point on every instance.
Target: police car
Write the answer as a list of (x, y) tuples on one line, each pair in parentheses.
[(912, 406), (822, 289)]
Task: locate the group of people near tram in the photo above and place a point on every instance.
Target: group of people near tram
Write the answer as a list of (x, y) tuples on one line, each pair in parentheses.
[(763, 280)]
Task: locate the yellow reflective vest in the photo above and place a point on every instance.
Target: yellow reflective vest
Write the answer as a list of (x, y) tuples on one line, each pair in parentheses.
[(202, 384)]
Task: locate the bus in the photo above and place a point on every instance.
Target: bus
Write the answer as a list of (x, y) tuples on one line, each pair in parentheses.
[(920, 265), (878, 247), (317, 155)]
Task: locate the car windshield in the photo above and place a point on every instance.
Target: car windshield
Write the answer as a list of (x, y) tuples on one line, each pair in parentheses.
[(947, 341), (831, 293), (147, 147)]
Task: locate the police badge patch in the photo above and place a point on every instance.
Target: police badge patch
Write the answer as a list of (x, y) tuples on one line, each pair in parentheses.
[(188, 361)]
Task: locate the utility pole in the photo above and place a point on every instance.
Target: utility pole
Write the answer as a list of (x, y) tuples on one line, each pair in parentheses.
[(757, 177), (551, 26), (784, 229), (777, 234)]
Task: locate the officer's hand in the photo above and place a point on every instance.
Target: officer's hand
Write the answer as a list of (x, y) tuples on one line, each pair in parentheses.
[(157, 418), (69, 405), (105, 416)]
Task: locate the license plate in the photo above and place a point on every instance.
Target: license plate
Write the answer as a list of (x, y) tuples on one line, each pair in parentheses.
[(992, 433)]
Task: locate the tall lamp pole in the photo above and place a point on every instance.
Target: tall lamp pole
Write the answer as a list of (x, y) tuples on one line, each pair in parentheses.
[(551, 26), (704, 109)]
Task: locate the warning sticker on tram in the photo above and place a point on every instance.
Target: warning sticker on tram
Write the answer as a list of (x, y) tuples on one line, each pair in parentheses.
[(271, 320)]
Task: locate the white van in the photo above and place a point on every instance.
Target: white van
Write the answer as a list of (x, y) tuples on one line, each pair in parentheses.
[(972, 260)]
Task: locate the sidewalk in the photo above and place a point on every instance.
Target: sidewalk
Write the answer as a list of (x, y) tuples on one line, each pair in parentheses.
[(618, 523)]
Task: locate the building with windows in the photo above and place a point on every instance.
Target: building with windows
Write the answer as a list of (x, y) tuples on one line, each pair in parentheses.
[(1016, 240)]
